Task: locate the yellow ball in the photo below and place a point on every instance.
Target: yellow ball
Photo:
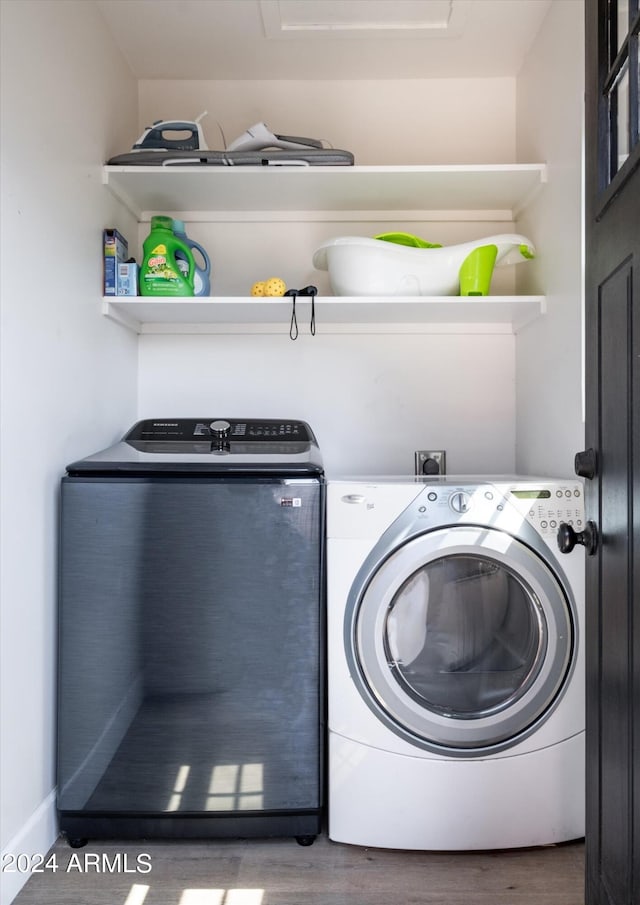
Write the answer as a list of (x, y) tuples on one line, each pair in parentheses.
[(275, 286), (257, 289)]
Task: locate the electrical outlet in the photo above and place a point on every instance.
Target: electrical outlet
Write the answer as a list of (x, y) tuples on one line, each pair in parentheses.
[(431, 462)]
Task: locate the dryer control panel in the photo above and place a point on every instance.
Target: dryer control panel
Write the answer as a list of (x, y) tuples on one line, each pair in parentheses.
[(365, 508), (546, 507)]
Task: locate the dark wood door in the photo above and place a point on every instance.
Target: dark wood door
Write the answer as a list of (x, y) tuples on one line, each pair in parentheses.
[(612, 311)]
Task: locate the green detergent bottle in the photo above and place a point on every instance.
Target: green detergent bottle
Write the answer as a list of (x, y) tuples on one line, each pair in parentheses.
[(160, 274)]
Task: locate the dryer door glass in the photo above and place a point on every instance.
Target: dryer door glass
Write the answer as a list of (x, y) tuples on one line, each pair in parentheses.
[(464, 636), (461, 640)]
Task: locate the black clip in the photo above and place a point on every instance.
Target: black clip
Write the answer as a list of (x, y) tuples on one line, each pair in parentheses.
[(293, 294)]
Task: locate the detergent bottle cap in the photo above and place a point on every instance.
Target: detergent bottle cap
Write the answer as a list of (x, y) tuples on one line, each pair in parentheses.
[(161, 223), (179, 226)]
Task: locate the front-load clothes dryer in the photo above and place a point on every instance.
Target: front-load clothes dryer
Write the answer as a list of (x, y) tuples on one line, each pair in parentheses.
[(191, 633), (455, 663)]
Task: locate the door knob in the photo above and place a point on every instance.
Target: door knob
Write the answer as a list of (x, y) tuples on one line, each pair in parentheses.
[(586, 463), (568, 538)]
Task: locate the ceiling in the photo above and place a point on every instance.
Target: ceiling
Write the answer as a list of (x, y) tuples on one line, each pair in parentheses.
[(323, 39)]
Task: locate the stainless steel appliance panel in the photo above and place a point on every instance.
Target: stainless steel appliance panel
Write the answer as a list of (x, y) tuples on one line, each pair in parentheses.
[(190, 636)]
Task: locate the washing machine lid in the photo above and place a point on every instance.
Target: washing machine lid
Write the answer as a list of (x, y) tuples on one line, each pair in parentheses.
[(209, 446)]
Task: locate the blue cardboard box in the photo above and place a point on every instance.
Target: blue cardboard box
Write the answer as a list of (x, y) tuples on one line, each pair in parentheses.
[(116, 251), (127, 283)]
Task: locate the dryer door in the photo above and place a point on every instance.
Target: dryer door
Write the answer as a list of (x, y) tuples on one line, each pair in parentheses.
[(461, 640)]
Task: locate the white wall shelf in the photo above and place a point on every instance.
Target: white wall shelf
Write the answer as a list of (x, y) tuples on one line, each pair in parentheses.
[(302, 194), (489, 191), (451, 314)]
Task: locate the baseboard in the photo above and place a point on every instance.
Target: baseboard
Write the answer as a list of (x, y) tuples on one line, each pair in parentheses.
[(35, 837)]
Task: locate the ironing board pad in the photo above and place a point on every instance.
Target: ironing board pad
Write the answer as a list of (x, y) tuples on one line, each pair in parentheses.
[(307, 157)]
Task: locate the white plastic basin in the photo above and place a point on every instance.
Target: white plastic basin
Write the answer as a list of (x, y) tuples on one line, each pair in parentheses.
[(360, 266)]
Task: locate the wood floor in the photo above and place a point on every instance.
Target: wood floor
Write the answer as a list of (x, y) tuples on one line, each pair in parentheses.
[(281, 872)]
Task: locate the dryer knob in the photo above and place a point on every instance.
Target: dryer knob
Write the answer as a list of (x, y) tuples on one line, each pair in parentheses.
[(220, 429), (460, 501)]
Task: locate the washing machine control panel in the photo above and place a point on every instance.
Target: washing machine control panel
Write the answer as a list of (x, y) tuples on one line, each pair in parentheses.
[(209, 446), (248, 429), (200, 434)]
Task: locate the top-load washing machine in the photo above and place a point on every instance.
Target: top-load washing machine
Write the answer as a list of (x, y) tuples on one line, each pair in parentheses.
[(455, 663), (191, 633)]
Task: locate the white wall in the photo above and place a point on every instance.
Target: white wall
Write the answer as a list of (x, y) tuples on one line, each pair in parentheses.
[(404, 121), (68, 375), (550, 104), (372, 399)]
